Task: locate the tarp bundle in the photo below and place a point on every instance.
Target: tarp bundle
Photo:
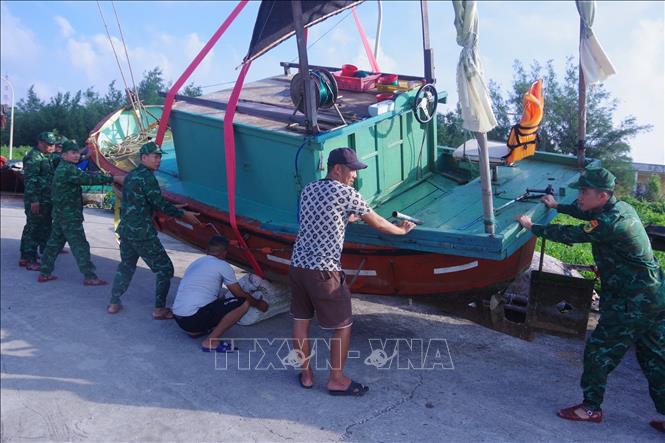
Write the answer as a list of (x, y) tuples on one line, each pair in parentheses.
[(596, 66), (473, 94)]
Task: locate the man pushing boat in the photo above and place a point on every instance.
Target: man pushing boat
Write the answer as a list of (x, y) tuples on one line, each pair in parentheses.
[(632, 300), (138, 237), (316, 278)]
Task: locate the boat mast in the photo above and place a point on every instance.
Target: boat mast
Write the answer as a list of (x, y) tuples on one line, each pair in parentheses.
[(428, 52), (309, 95), (379, 22), (581, 110)]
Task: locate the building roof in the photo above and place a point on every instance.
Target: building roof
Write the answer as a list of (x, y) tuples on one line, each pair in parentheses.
[(649, 167)]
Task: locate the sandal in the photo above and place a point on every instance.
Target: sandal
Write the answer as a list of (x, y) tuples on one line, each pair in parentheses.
[(163, 314), (45, 278), (23, 263), (221, 347), (32, 266), (592, 416), (303, 385), (658, 425), (355, 389), (95, 282), (114, 308)]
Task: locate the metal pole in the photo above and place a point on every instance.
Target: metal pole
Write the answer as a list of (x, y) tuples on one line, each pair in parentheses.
[(309, 94), (428, 52), (485, 183), (581, 112), (378, 31), (11, 123)]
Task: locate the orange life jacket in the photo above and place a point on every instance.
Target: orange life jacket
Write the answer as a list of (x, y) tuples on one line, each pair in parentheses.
[(523, 138)]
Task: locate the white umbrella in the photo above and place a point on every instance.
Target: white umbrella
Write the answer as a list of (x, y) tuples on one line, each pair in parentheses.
[(474, 97), (596, 66)]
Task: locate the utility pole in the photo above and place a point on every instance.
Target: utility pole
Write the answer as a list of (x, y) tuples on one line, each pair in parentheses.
[(11, 123)]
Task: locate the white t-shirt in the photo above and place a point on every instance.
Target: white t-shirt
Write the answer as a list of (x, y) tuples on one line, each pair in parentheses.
[(201, 284), (325, 206)]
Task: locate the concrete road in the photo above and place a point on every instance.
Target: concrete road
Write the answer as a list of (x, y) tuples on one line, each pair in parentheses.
[(71, 372)]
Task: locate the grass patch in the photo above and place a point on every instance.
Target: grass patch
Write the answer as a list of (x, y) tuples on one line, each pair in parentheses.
[(580, 253), (18, 152)]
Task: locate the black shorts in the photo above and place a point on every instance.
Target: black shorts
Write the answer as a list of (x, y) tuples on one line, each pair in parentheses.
[(209, 316)]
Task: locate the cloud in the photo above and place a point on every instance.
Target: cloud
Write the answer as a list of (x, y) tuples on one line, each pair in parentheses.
[(66, 28), (639, 86), (17, 41), (83, 55)]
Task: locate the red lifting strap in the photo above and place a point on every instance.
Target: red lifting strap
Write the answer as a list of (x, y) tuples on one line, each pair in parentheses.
[(363, 37), (170, 96), (230, 150)]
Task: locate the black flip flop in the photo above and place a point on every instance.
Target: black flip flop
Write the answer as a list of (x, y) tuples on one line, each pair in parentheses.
[(355, 389), (303, 385)]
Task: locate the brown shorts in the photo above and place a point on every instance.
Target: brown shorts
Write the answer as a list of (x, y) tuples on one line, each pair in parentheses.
[(323, 292)]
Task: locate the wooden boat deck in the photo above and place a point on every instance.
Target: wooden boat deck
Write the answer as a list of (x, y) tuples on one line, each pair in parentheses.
[(273, 94)]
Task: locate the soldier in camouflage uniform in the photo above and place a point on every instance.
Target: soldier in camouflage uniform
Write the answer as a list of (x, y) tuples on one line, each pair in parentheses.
[(138, 237), (68, 215), (38, 174), (56, 156), (632, 303)]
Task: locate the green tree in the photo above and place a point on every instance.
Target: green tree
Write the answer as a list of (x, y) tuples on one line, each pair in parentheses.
[(114, 98), (75, 114), (191, 90), (605, 140), (150, 87), (654, 192), (449, 128)]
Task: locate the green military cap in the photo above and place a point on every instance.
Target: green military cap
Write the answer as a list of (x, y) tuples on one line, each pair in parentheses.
[(61, 140), (595, 178), (48, 138), (70, 145), (150, 148)]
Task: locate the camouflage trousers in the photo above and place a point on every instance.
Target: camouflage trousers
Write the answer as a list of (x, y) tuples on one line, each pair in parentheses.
[(607, 345), (72, 233), (36, 231), (153, 254)]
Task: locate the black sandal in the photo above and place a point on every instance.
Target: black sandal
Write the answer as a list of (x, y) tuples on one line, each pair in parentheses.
[(355, 389), (303, 385)]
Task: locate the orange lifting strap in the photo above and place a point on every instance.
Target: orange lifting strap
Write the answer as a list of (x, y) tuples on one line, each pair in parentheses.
[(523, 138)]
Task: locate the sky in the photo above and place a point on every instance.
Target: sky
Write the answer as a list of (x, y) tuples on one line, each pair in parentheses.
[(62, 46)]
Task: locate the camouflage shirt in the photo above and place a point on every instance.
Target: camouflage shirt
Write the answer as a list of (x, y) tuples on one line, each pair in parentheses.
[(37, 175), (56, 157), (631, 278), (67, 195), (140, 197)]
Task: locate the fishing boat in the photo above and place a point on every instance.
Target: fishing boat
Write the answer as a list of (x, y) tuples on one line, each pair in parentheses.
[(241, 156)]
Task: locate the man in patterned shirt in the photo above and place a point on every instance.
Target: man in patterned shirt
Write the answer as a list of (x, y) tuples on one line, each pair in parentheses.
[(316, 278)]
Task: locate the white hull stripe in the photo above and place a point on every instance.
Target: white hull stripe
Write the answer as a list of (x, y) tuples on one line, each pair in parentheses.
[(183, 224), (458, 268), (362, 273), (278, 259)]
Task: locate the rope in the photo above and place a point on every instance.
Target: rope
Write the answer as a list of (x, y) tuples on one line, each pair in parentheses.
[(108, 34), (324, 34), (122, 37), (363, 38), (135, 101)]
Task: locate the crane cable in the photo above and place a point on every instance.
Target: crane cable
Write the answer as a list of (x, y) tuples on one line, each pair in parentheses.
[(117, 60), (136, 98)]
